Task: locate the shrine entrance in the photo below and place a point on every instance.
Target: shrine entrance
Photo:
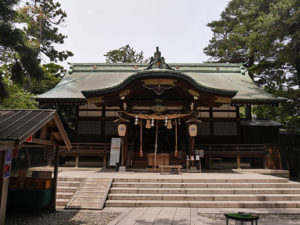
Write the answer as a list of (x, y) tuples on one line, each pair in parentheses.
[(107, 95), (155, 105)]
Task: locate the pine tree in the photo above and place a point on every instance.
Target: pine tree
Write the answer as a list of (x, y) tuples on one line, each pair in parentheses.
[(263, 35), (125, 54)]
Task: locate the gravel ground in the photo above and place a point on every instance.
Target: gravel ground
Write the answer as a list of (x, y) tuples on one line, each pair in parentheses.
[(65, 217)]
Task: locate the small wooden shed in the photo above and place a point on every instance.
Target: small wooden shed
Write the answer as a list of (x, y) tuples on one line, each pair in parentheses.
[(31, 128)]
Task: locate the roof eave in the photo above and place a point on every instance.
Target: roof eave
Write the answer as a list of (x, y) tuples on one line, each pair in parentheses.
[(156, 73), (258, 101)]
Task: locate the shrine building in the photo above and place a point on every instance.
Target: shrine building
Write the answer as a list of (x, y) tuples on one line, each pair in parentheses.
[(166, 113)]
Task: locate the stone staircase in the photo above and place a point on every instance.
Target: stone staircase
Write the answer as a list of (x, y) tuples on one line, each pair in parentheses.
[(204, 193), (66, 188), (91, 194)]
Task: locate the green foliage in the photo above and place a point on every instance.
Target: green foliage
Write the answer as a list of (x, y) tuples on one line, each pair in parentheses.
[(242, 112), (13, 42), (125, 54), (21, 50), (288, 112), (263, 35), (43, 19), (51, 77), (17, 98)]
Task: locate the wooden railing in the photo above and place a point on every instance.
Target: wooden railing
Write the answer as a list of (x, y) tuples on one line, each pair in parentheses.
[(234, 151), (229, 150), (87, 149), (270, 156)]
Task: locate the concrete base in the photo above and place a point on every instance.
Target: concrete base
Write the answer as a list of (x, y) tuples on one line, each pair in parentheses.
[(122, 169), (277, 173), (193, 169)]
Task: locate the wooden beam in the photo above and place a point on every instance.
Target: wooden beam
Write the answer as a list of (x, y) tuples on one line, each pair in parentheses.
[(3, 190), (5, 145), (31, 146), (222, 99), (55, 136), (54, 187), (157, 81), (95, 100), (43, 142), (62, 131)]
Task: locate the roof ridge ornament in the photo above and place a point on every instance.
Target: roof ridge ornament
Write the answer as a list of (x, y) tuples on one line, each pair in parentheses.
[(157, 61)]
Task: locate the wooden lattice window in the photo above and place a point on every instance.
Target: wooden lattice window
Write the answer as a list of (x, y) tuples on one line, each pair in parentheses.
[(225, 128), (203, 128), (89, 127)]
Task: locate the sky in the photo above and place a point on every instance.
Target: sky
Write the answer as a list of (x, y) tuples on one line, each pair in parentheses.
[(178, 27)]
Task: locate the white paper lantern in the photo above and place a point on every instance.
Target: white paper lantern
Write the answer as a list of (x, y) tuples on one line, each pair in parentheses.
[(122, 130), (193, 130)]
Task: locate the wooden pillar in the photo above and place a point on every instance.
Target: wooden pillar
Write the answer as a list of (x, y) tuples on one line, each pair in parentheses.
[(103, 121), (122, 152), (104, 161), (266, 158), (3, 190), (238, 125), (238, 161), (192, 146), (266, 162), (211, 122), (209, 156), (76, 161), (125, 149), (54, 184), (238, 158), (248, 112)]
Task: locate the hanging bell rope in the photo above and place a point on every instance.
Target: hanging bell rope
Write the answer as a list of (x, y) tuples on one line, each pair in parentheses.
[(176, 140), (141, 139), (158, 117)]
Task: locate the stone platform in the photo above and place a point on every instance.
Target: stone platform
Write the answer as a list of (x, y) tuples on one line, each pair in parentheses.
[(196, 190)]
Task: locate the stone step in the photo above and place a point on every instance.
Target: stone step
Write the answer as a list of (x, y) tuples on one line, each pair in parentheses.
[(203, 197), (89, 186), (66, 189), (205, 185), (193, 180), (80, 205), (70, 179), (69, 183), (92, 189), (90, 194), (64, 195), (62, 202), (115, 190), (203, 204)]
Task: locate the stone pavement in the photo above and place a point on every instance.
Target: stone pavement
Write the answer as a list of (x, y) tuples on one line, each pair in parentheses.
[(104, 173), (187, 216), (194, 216)]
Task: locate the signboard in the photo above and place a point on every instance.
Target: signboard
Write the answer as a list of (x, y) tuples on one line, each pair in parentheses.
[(6, 170), (8, 156), (7, 163), (115, 151), (201, 153), (49, 153)]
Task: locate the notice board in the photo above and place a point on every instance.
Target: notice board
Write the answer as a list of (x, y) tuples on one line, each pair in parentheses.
[(115, 151)]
